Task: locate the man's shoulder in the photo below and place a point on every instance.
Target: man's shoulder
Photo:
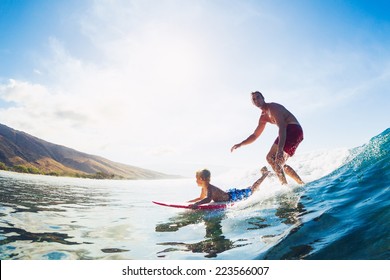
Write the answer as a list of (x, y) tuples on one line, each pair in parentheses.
[(274, 105), (276, 108)]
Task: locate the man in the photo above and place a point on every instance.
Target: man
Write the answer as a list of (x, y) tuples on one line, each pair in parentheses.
[(290, 135)]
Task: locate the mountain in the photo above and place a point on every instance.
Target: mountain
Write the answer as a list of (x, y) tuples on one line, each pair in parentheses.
[(22, 152)]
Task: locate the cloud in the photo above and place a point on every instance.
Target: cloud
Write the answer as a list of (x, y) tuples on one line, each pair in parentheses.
[(167, 81), (162, 151)]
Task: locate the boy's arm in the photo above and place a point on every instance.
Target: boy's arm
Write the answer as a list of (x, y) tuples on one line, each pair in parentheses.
[(202, 201), (203, 194), (206, 199)]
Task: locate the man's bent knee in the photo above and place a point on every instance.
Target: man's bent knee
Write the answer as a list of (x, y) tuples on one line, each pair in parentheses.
[(270, 159)]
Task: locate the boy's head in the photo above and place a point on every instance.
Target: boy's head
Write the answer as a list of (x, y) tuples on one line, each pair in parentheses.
[(204, 175)]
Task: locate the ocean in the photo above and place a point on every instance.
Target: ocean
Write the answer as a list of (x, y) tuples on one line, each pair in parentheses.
[(341, 213)]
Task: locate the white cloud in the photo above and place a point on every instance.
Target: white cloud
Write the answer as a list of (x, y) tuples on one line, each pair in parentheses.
[(171, 81)]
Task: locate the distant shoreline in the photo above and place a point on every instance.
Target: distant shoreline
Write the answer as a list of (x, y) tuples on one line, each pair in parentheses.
[(96, 176), (24, 153), (22, 169)]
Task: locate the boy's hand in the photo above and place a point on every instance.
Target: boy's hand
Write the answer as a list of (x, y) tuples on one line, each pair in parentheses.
[(193, 206)]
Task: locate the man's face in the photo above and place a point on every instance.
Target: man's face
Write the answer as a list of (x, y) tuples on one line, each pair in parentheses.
[(257, 100)]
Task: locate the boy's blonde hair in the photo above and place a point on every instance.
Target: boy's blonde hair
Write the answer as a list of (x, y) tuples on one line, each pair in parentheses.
[(204, 174)]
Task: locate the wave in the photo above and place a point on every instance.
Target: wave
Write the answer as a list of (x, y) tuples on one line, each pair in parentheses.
[(346, 213), (342, 212)]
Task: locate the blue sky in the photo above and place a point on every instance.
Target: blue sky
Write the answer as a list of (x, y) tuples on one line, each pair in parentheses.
[(166, 84)]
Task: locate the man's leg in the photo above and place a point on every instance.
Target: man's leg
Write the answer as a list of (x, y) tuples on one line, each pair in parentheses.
[(291, 172), (278, 168)]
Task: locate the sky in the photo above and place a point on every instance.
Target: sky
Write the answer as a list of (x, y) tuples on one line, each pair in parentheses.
[(165, 85)]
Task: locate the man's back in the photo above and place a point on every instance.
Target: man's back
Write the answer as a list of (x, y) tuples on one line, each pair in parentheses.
[(278, 114)]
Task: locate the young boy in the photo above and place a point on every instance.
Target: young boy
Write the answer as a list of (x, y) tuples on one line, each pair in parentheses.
[(213, 193)]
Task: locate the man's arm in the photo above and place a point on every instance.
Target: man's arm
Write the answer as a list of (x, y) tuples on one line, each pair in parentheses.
[(282, 138), (280, 120), (258, 131)]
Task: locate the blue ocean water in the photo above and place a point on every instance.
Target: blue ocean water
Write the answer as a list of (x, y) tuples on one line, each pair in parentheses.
[(346, 213), (343, 212)]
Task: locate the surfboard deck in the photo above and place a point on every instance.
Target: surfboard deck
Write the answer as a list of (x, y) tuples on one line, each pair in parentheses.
[(208, 206)]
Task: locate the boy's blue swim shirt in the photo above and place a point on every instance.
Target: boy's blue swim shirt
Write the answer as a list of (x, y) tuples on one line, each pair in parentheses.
[(236, 195)]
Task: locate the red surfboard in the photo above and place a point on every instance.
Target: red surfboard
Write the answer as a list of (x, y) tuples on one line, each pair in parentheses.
[(208, 206)]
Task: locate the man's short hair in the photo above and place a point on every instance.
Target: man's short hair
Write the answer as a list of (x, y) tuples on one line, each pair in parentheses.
[(256, 93)]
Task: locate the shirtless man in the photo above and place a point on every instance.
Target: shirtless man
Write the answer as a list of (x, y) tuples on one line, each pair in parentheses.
[(213, 193), (290, 135)]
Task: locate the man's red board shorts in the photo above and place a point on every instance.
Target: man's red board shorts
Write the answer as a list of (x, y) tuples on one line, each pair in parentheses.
[(293, 138)]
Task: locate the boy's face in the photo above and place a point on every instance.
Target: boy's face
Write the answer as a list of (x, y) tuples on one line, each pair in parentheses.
[(200, 181)]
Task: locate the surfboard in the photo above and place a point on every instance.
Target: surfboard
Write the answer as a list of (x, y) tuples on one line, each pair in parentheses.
[(208, 206)]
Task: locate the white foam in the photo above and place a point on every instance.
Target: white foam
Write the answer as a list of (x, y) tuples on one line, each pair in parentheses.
[(314, 165), (310, 166)]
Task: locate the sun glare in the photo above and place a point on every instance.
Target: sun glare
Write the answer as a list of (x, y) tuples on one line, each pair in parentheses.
[(176, 63)]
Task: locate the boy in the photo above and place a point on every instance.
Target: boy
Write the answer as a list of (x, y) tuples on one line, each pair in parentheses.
[(210, 192)]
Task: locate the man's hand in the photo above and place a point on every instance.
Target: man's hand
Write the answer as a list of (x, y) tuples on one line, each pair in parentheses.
[(235, 147), (279, 157), (193, 206)]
